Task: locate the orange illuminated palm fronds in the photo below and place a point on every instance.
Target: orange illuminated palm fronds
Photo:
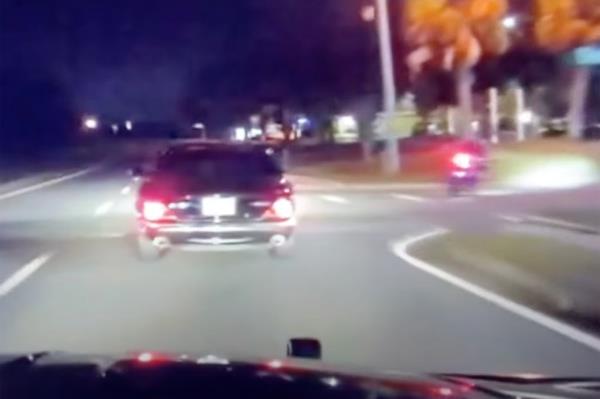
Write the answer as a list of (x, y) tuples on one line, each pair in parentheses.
[(566, 24), (455, 33)]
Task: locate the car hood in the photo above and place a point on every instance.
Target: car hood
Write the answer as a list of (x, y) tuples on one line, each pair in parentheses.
[(46, 375)]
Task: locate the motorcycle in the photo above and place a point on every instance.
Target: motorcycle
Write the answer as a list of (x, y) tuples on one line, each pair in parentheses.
[(466, 172)]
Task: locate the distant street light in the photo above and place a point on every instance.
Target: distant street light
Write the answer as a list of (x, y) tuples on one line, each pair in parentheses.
[(90, 123), (129, 125), (368, 13), (510, 22), (347, 122), (303, 121), (240, 133), (526, 117)]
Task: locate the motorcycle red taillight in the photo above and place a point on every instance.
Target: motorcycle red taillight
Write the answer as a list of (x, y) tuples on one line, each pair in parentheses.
[(462, 160), (154, 210)]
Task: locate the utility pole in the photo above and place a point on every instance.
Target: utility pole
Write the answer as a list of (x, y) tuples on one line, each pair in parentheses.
[(391, 160), (520, 105), (494, 120)]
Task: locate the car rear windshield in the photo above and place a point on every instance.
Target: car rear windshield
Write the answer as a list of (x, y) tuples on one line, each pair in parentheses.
[(220, 165)]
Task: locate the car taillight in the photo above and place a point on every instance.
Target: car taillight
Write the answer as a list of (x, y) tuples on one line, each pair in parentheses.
[(154, 210), (462, 160), (282, 208)]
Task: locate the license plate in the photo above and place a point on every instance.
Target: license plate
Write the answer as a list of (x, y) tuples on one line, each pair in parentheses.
[(218, 206)]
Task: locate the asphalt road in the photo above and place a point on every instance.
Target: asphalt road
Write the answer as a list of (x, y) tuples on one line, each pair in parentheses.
[(69, 281)]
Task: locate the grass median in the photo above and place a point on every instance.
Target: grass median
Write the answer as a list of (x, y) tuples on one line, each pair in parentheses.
[(558, 279), (544, 163)]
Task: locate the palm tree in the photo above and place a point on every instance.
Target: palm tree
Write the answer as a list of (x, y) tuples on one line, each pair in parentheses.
[(564, 25), (454, 35)]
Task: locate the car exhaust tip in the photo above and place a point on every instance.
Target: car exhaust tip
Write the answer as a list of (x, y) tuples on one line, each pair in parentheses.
[(278, 240)]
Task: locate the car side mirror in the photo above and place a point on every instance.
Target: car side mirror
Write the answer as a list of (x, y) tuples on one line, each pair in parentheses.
[(304, 348)]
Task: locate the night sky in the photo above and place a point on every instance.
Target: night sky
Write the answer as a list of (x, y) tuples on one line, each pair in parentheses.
[(164, 59), (187, 60)]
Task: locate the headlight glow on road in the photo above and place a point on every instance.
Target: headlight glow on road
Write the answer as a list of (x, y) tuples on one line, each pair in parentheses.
[(145, 357), (275, 364), (567, 172)]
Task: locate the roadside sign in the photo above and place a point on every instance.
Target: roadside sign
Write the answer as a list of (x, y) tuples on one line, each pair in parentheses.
[(585, 56)]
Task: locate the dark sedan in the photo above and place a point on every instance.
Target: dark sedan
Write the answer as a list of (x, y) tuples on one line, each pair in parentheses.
[(215, 196)]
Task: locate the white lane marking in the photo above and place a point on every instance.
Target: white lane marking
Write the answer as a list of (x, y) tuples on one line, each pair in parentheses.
[(23, 273), (47, 183), (335, 198), (407, 197), (510, 218), (495, 193), (108, 235), (104, 208), (400, 249), (460, 199), (126, 190)]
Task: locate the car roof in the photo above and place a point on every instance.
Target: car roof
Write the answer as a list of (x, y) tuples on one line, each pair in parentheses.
[(211, 149), (222, 147)]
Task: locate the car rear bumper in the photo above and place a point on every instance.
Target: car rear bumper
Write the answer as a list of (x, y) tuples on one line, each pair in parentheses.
[(218, 235)]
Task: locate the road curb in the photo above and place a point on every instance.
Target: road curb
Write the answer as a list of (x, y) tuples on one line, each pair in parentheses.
[(401, 248)]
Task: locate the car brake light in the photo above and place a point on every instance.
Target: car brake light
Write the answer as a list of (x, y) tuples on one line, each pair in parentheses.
[(154, 210), (462, 160), (283, 208)]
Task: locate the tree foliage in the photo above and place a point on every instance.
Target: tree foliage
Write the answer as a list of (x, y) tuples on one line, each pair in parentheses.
[(454, 34), (562, 25)]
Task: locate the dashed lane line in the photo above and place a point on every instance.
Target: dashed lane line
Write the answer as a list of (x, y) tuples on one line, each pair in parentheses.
[(23, 273), (407, 197), (334, 198)]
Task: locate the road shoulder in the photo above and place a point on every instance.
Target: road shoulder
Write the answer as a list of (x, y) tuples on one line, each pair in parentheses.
[(38, 181)]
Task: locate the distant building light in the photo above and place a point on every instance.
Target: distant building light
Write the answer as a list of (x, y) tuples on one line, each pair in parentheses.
[(273, 129), (91, 123), (254, 120), (115, 128), (254, 132), (240, 133), (526, 117), (303, 121), (510, 22), (198, 126), (368, 13), (129, 125), (347, 122)]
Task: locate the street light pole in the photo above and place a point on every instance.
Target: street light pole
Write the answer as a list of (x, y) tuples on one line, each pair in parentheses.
[(391, 161)]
